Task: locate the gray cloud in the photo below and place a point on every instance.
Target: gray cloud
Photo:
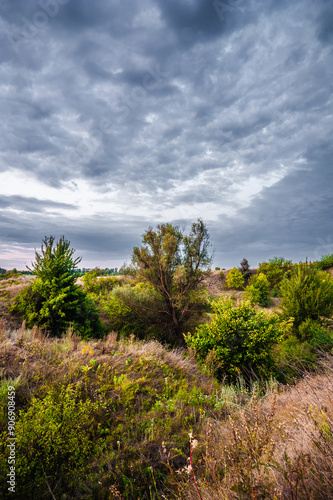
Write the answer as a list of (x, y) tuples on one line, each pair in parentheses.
[(213, 109)]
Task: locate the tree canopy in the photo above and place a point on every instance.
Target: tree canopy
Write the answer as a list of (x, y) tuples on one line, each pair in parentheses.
[(174, 264)]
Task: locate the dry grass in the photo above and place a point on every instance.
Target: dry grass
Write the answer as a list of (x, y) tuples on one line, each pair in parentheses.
[(280, 448)]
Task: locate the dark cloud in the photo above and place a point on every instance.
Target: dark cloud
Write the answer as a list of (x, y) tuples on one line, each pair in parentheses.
[(31, 204), (172, 110)]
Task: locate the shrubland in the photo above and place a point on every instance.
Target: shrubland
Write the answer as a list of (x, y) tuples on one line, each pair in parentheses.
[(193, 394), (132, 419)]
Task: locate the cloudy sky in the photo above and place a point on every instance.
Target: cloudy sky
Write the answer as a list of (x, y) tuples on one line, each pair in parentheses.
[(117, 115)]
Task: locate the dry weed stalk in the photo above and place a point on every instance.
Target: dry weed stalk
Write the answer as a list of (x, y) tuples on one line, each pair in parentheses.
[(2, 327)]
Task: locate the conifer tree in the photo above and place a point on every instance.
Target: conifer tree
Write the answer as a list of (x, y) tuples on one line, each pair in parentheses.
[(53, 301)]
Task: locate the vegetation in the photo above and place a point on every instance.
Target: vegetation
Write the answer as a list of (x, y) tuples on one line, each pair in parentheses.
[(245, 268), (174, 265), (53, 301), (276, 270), (128, 417), (238, 340), (325, 262), (307, 294), (258, 290), (235, 278)]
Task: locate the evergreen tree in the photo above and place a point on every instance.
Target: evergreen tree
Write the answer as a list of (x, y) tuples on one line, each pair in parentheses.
[(53, 301)]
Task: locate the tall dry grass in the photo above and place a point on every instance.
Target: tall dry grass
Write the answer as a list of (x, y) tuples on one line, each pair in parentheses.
[(279, 448)]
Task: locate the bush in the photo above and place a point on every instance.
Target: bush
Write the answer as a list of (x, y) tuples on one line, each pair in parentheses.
[(235, 279), (238, 341), (276, 269), (307, 294), (325, 262), (97, 285), (54, 438), (130, 310), (318, 336), (258, 290), (293, 358), (53, 301)]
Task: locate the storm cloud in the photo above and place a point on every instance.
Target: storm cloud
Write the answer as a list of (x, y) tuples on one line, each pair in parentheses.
[(117, 116)]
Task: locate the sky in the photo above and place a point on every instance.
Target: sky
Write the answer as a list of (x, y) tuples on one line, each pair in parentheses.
[(121, 115)]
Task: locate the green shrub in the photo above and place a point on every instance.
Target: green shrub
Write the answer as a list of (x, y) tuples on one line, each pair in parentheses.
[(258, 290), (293, 358), (235, 279), (54, 439), (276, 292), (325, 262), (307, 294), (97, 285), (238, 340), (217, 268), (317, 336), (276, 269)]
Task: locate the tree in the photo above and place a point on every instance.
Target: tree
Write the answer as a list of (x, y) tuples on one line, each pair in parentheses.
[(307, 294), (174, 264), (245, 268), (53, 301)]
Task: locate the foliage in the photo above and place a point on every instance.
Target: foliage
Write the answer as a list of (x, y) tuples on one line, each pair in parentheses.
[(99, 284), (307, 294), (90, 423), (294, 357), (174, 265), (53, 301), (317, 335), (127, 270), (245, 268), (238, 340), (131, 309), (54, 437), (276, 269), (258, 290), (325, 262), (235, 279)]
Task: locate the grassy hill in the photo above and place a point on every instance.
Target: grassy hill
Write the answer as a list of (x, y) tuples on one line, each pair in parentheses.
[(131, 419)]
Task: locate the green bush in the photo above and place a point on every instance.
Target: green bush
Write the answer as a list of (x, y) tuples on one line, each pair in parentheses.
[(93, 283), (54, 439), (235, 279), (276, 269), (307, 294), (317, 336), (293, 358), (258, 290), (276, 292), (53, 301), (325, 262), (238, 340)]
